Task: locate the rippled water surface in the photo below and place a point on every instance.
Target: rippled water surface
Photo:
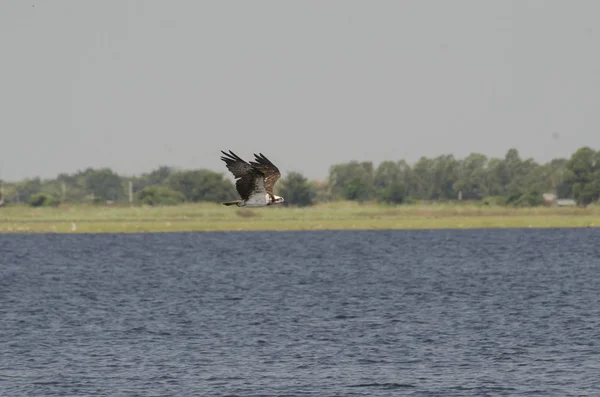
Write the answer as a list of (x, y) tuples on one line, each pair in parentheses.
[(339, 313)]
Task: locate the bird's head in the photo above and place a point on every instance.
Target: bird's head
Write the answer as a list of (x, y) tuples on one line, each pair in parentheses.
[(278, 200)]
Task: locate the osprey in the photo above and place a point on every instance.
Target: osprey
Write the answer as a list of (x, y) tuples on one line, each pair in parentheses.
[(255, 180)]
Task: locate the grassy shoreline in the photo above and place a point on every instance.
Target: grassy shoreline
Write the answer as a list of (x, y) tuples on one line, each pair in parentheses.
[(329, 216)]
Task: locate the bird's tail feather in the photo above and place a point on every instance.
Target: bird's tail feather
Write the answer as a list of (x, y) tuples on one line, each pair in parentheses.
[(234, 202)]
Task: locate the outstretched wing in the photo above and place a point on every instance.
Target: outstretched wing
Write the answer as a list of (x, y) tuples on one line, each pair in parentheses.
[(271, 172), (247, 176)]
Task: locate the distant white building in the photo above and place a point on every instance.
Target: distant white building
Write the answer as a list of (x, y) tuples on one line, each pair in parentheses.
[(566, 202), (551, 200)]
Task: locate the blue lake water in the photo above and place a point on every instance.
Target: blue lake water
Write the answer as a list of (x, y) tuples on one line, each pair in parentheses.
[(329, 313)]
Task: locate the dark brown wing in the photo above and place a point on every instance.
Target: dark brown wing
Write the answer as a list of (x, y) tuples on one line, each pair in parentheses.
[(245, 173), (271, 172)]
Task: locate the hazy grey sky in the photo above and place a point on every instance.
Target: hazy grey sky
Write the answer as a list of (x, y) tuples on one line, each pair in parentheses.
[(136, 84)]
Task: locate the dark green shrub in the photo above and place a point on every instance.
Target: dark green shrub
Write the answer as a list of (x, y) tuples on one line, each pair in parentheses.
[(43, 200), (494, 200), (159, 195)]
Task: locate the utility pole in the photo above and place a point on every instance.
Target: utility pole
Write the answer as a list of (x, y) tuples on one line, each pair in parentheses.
[(130, 193), (64, 192)]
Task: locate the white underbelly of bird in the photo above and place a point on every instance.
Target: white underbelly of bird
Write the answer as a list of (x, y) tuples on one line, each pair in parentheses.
[(258, 200)]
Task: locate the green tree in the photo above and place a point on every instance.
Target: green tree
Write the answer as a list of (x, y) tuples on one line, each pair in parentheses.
[(535, 183), (584, 175), (471, 177), (494, 178), (43, 200), (444, 176), (27, 188), (70, 180), (391, 181), (557, 173), (52, 187), (322, 191), (75, 185), (422, 180), (507, 177), (160, 175), (202, 185), (159, 195), (296, 190), (352, 181), (520, 182), (157, 177), (104, 184)]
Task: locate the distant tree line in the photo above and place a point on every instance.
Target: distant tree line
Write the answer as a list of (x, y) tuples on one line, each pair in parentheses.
[(509, 180), (506, 181)]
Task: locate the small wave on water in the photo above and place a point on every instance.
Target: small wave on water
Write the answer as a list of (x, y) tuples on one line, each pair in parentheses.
[(386, 386)]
